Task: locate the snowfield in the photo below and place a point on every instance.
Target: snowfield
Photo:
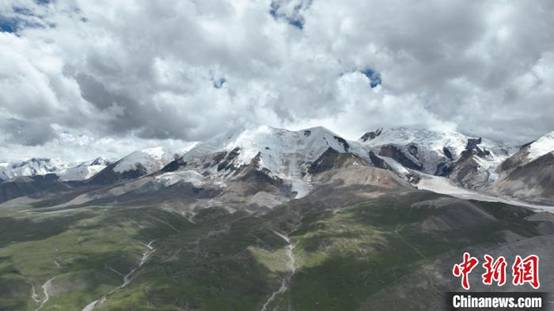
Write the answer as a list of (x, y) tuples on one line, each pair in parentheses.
[(152, 159), (84, 170), (541, 146), (32, 167)]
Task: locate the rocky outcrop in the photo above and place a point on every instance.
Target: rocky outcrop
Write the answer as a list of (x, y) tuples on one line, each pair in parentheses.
[(396, 152), (533, 181), (109, 176), (332, 159), (371, 135)]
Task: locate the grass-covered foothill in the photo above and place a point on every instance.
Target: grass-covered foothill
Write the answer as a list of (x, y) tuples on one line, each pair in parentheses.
[(344, 253)]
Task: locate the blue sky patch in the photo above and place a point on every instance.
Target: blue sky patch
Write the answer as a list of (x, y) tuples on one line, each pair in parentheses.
[(7, 25), (21, 17), (373, 76), (294, 19)]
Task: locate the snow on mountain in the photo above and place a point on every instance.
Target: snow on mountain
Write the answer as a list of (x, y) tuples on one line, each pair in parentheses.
[(44, 166), (541, 146), (527, 154), (280, 151), (151, 160), (284, 154), (433, 140), (288, 154), (420, 149), (430, 151), (84, 170), (31, 167), (529, 173), (171, 178)]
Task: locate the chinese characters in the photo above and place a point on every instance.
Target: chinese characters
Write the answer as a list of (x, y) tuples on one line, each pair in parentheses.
[(524, 270)]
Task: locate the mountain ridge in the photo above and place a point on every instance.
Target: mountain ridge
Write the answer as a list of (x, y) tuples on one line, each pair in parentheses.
[(292, 158)]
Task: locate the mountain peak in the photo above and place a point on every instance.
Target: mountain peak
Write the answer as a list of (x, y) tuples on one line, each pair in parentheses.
[(371, 135), (98, 161), (541, 146), (150, 159), (281, 153), (31, 167), (432, 139)]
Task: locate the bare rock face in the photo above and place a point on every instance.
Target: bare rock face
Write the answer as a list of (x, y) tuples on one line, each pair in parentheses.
[(109, 176), (377, 161), (529, 173), (532, 181), (397, 153), (371, 135), (174, 165), (468, 170), (332, 159)]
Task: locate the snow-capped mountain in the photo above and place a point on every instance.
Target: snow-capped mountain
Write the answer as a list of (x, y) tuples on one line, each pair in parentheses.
[(45, 166), (540, 147), (150, 160), (282, 154), (83, 170), (466, 160), (529, 173), (31, 167), (421, 149), (288, 162), (529, 153), (134, 165)]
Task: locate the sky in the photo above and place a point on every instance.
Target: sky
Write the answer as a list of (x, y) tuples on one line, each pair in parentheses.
[(81, 78)]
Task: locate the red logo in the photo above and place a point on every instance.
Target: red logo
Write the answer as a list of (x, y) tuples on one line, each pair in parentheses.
[(464, 268), (495, 270), (524, 270)]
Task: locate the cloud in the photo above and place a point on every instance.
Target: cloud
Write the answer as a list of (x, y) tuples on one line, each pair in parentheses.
[(26, 133), (188, 70)]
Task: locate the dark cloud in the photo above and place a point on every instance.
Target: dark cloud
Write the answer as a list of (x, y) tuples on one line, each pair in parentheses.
[(25, 132), (95, 92)]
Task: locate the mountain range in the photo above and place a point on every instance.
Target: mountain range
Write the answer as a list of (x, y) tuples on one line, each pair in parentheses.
[(290, 159), (272, 219)]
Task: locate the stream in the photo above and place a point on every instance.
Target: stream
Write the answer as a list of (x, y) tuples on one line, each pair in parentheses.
[(291, 265), (127, 278)]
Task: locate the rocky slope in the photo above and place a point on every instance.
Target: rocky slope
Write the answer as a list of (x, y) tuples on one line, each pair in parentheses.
[(471, 162), (529, 173)]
